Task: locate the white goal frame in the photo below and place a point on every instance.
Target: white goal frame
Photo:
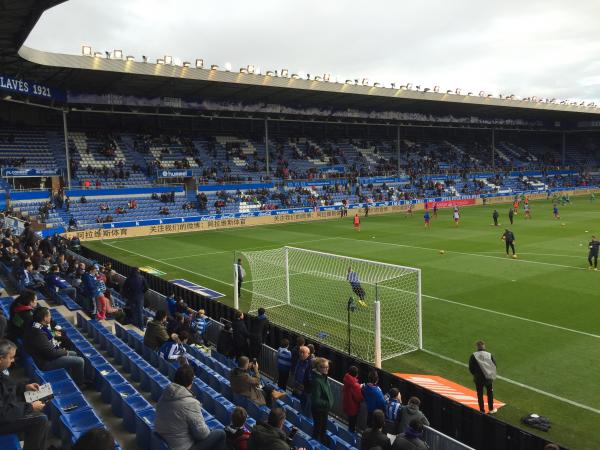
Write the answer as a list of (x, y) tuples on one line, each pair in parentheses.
[(377, 322)]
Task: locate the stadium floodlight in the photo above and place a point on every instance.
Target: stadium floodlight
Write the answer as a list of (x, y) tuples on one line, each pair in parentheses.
[(393, 85), (118, 54), (469, 93), (326, 76), (284, 73), (482, 93), (97, 54), (186, 64), (418, 87), (436, 89), (295, 76), (228, 66), (168, 59), (426, 90), (214, 67), (270, 73), (449, 91), (86, 50), (318, 78), (297, 287), (243, 70), (160, 61), (199, 63), (130, 58), (144, 58), (365, 81), (107, 53), (250, 68), (409, 86), (349, 81), (376, 85)]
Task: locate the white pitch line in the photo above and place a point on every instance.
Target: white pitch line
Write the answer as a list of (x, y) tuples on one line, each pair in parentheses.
[(247, 249), (538, 254), (464, 253), (508, 380), (521, 385)]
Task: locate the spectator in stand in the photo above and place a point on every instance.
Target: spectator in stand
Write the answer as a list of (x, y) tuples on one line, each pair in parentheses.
[(240, 335), (45, 350), (174, 348), (351, 397), (411, 411), (284, 363), (93, 289), (133, 290), (411, 439), (179, 420), (374, 436), (156, 332), (107, 310), (225, 341), (295, 351), (56, 284), (321, 399), (198, 326), (3, 325), (27, 279), (95, 439), (393, 412), (301, 386), (21, 313), (176, 324), (373, 396), (245, 380), (28, 237), (260, 330), (270, 435), (236, 433), (17, 416)]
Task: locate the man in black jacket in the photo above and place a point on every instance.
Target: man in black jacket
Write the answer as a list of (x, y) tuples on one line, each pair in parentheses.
[(240, 335), (45, 350), (133, 290), (270, 434), (16, 415), (258, 333)]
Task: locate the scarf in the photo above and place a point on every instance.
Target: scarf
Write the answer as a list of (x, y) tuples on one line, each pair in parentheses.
[(48, 332)]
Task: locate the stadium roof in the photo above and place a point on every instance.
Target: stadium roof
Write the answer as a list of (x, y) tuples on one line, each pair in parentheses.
[(84, 74)]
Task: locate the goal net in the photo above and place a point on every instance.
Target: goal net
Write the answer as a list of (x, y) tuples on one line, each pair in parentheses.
[(369, 309)]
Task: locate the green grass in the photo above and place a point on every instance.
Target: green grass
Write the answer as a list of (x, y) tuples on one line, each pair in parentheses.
[(539, 314)]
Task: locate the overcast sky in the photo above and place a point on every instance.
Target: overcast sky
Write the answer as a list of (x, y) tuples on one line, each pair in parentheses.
[(542, 48)]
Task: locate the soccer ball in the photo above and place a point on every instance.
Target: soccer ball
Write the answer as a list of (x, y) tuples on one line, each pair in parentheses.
[(442, 252), (562, 224), (514, 256)]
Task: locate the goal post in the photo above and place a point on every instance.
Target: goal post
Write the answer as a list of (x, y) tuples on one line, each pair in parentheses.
[(367, 308)]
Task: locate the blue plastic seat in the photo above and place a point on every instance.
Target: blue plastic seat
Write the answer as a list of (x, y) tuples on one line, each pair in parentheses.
[(144, 426), (158, 384), (117, 396), (130, 406), (293, 416), (223, 409), (78, 421), (58, 404), (10, 442)]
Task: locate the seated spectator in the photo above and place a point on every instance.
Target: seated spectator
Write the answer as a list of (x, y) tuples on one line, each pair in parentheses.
[(132, 204), (95, 439), (179, 419), (83, 199), (270, 435), (75, 244), (351, 397), (245, 380), (164, 211), (373, 396), (411, 411), (236, 433), (177, 305), (174, 348), (21, 313), (28, 279), (156, 331), (374, 436), (393, 412), (411, 439), (57, 284), (17, 416), (176, 324), (103, 207), (106, 310), (225, 341), (45, 350)]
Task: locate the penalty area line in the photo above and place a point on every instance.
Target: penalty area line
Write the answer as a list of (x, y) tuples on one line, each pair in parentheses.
[(519, 384)]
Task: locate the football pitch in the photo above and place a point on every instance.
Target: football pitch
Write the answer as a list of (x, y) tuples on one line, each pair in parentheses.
[(538, 313)]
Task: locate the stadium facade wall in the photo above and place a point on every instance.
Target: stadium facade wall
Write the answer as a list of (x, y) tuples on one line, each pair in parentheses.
[(222, 221)]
